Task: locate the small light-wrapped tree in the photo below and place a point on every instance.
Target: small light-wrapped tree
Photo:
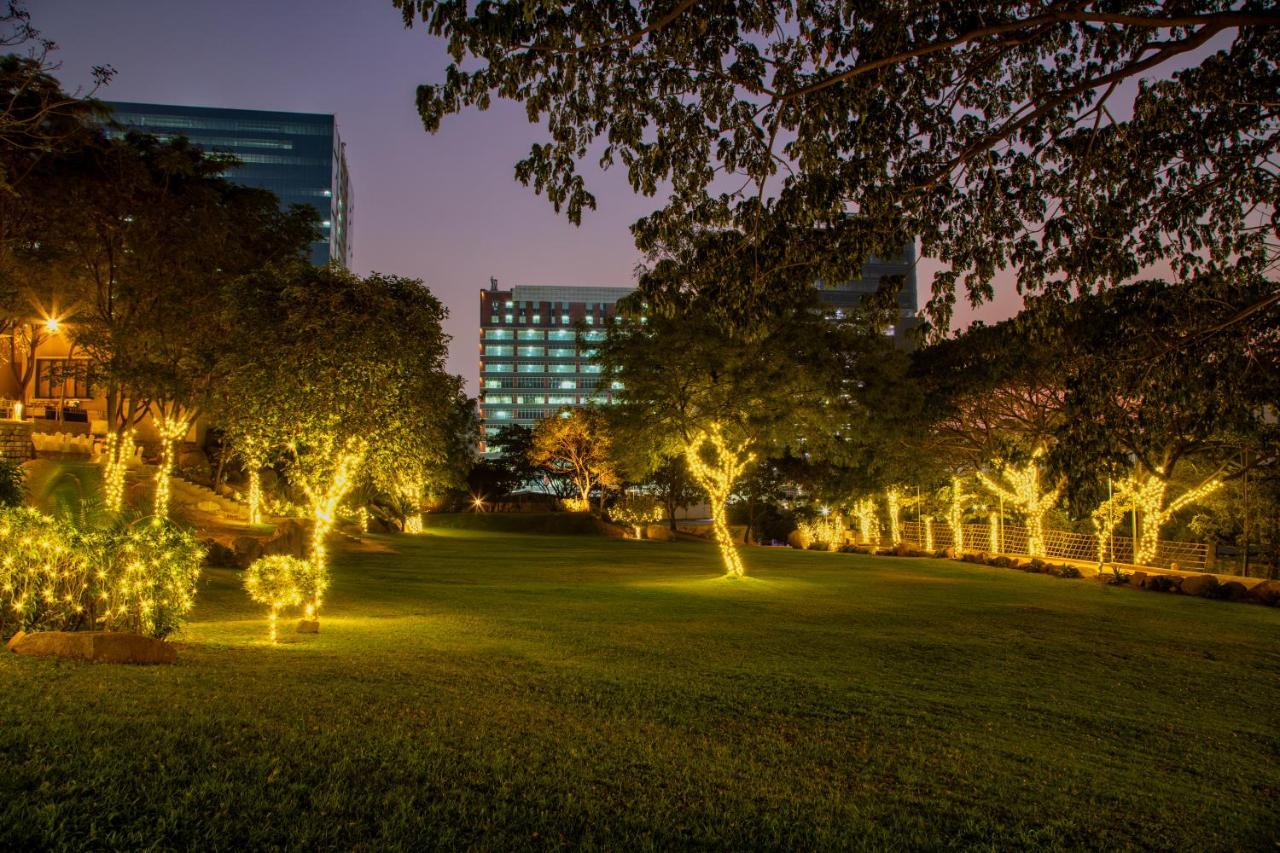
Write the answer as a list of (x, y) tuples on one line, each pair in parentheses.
[(280, 581), (635, 510)]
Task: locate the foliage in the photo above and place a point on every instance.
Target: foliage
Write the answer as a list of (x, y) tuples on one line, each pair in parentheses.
[(1001, 135), (635, 509), (826, 532), (13, 487), (576, 444), (139, 578), (280, 581)]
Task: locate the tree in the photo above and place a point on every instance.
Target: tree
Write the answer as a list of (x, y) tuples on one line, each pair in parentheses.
[(575, 443), (992, 132), (357, 370), (723, 398)]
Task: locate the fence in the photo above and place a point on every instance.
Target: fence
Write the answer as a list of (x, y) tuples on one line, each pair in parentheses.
[(1058, 544)]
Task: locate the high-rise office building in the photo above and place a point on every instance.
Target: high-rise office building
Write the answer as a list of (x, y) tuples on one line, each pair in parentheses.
[(846, 296), (298, 156), (531, 364)]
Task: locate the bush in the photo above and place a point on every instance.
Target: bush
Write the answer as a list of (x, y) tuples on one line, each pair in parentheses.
[(637, 510), (13, 488), (281, 581), (1068, 572), (57, 577)]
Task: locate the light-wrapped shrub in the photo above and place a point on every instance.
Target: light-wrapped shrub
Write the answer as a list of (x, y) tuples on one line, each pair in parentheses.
[(43, 576), (824, 532), (145, 577), (280, 582), (635, 510), (139, 578)]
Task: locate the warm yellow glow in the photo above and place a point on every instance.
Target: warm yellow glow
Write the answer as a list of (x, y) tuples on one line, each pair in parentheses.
[(864, 510), (171, 429), (115, 453), (1021, 487), (993, 533), (324, 494), (955, 517), (52, 325), (280, 581), (255, 492), (827, 531), (928, 533), (717, 479), (17, 411), (894, 504), (413, 523), (1144, 494), (362, 518)]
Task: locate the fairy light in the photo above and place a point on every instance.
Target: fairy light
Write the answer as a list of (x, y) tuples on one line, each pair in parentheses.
[(1144, 494), (324, 507), (412, 495), (894, 503), (171, 429), (1021, 487), (955, 516), (637, 510), (280, 581), (826, 530), (255, 493), (864, 510), (362, 519), (928, 533), (993, 533), (115, 456), (717, 480)]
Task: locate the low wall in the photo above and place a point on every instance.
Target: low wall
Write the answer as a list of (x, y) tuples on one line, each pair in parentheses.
[(15, 441)]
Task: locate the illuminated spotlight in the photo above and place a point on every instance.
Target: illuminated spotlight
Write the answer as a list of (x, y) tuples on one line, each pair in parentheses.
[(52, 325)]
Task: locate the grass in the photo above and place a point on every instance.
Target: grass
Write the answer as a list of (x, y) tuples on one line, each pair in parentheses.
[(499, 690)]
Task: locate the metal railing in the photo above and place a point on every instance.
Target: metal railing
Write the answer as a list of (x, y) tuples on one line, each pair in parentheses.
[(1058, 544)]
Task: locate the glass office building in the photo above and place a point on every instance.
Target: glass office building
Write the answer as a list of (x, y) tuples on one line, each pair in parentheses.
[(844, 297), (298, 156), (531, 364)]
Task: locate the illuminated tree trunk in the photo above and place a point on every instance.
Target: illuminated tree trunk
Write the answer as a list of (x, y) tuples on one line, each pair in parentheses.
[(113, 467), (717, 478), (324, 513), (955, 519), (171, 429), (412, 495), (865, 511), (1023, 491), (1147, 495), (255, 491), (895, 510)]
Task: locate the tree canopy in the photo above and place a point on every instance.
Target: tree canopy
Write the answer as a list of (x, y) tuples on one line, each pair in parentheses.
[(998, 134)]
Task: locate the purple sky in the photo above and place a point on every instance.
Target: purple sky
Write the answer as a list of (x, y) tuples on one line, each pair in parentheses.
[(443, 208)]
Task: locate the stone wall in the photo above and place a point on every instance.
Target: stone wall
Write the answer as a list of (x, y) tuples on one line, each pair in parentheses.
[(15, 441)]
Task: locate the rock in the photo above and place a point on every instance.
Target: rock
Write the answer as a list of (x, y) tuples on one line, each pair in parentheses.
[(14, 639), (218, 555), (1138, 580), (290, 539), (246, 550), (308, 626), (798, 540), (209, 506), (98, 646), (1233, 591), (660, 532), (1266, 592), (1162, 583), (1199, 585)]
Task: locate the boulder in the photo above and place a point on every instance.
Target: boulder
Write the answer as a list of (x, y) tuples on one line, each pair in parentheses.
[(799, 540), (1233, 591), (246, 550), (660, 532), (1163, 583), (218, 555), (308, 626), (209, 506), (1266, 592), (290, 539), (1138, 580), (1199, 585), (98, 646)]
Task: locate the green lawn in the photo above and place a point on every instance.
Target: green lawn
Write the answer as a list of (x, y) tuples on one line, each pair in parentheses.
[(498, 690)]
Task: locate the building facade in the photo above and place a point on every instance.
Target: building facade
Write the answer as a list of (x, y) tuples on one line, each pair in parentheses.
[(845, 297), (531, 364), (298, 156)]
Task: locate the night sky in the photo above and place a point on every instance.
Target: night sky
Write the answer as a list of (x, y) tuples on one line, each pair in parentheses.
[(443, 208)]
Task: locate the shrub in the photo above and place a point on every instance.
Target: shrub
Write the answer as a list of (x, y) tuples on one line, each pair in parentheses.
[(281, 581), (13, 488), (824, 532), (57, 577), (636, 510)]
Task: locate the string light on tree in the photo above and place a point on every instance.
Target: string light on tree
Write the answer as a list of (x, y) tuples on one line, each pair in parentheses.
[(864, 510), (993, 533), (171, 428), (1020, 486), (717, 478), (114, 463), (894, 504), (928, 533), (955, 517)]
